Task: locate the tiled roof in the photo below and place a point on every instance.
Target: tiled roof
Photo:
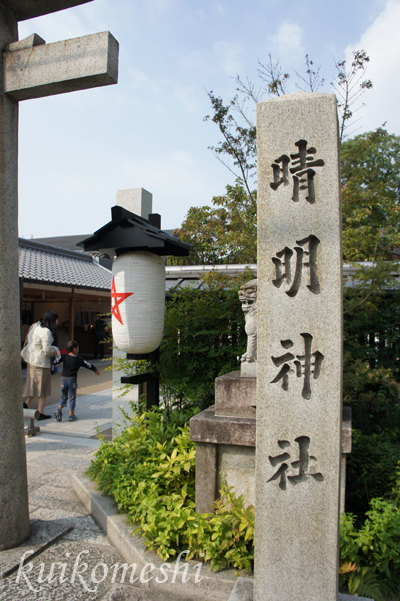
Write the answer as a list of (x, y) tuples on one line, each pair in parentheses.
[(69, 242), (53, 265)]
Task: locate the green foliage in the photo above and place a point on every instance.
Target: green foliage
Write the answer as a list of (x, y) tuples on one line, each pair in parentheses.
[(130, 368), (228, 231), (374, 548), (371, 469), (370, 209), (239, 139), (203, 335), (373, 395), (230, 542), (370, 194), (235, 119), (349, 86), (149, 470), (372, 332), (396, 488), (372, 390)]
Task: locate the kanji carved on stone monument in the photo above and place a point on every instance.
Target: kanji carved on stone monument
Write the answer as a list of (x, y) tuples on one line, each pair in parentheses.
[(306, 259), (298, 470), (300, 353), (301, 169), (304, 365)]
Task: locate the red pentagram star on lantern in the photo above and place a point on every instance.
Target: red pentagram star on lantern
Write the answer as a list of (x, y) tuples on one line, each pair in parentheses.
[(118, 298)]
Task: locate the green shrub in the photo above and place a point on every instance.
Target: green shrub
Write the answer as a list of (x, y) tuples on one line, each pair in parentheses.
[(371, 332), (370, 555), (373, 395), (371, 469), (232, 533), (203, 336), (149, 470)]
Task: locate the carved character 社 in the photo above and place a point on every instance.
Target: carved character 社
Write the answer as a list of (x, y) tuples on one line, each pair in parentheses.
[(248, 298)]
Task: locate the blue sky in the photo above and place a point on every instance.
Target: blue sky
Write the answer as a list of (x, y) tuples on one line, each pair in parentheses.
[(148, 131)]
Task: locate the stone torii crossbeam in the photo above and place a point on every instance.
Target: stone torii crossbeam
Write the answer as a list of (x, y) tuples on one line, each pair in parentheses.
[(29, 68)]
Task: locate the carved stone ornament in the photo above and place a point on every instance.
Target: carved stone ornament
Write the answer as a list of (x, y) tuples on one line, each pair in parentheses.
[(248, 298)]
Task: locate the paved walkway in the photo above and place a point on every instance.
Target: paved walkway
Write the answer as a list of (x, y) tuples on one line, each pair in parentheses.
[(88, 382), (53, 456), (94, 412)]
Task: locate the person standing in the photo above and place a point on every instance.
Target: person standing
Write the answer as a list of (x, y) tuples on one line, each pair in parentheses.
[(37, 354), (24, 331), (99, 336), (69, 379)]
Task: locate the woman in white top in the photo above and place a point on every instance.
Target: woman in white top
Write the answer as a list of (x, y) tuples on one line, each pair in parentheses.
[(39, 351)]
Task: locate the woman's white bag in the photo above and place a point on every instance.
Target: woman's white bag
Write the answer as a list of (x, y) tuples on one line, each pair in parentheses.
[(25, 351)]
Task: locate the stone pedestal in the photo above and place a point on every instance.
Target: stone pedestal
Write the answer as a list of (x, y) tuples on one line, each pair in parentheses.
[(222, 442), (248, 370), (243, 591), (235, 395), (226, 443)]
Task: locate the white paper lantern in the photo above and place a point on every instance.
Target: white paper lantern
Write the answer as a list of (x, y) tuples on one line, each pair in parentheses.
[(137, 301)]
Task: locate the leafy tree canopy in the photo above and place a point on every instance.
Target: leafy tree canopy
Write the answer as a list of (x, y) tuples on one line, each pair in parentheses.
[(236, 119), (370, 195), (370, 209), (227, 232), (370, 169), (370, 178)]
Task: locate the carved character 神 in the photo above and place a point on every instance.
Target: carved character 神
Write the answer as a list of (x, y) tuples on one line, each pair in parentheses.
[(248, 298)]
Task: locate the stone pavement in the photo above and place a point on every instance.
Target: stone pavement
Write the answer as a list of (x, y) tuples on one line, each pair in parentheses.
[(53, 456), (94, 411), (88, 382)]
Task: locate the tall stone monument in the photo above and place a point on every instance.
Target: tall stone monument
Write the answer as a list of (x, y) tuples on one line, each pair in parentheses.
[(29, 69), (299, 391)]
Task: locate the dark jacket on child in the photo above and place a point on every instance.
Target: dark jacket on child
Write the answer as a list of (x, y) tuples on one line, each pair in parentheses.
[(71, 364)]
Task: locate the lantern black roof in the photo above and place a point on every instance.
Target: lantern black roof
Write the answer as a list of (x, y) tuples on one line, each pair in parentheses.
[(127, 231)]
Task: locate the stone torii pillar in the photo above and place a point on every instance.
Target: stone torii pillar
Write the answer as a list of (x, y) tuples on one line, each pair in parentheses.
[(29, 69)]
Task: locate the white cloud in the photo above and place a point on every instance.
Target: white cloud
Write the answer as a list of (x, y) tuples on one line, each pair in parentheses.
[(158, 8), (177, 182), (288, 41), (219, 9), (196, 62), (140, 81), (55, 27), (229, 55), (186, 96), (381, 41), (195, 16)]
